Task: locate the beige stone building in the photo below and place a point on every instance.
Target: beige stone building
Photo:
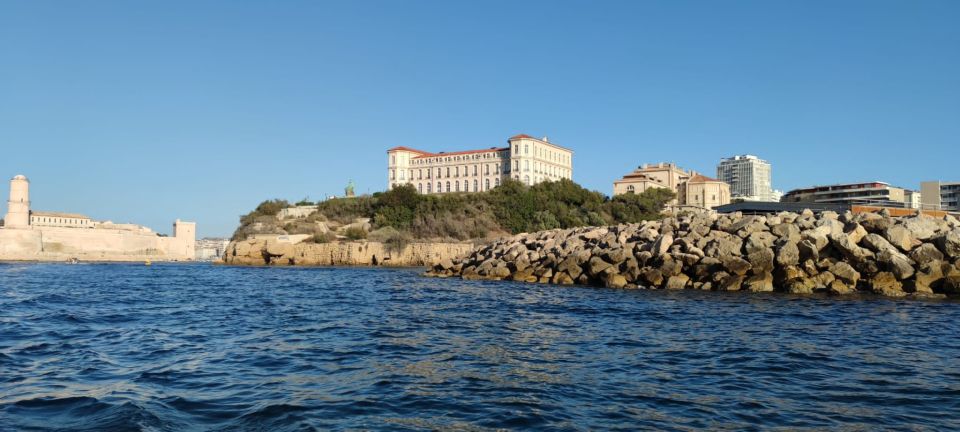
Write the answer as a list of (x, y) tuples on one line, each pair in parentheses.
[(55, 236), (692, 188), (526, 159)]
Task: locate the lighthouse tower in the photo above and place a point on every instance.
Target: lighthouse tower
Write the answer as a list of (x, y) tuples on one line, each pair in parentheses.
[(18, 206)]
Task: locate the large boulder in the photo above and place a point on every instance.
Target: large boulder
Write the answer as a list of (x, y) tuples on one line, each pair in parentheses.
[(662, 245), (736, 265), (787, 231), (571, 266), (855, 232), (731, 283), (849, 249), (901, 237), (896, 263), (759, 240), (762, 282), (677, 282), (929, 277), (596, 266), (845, 273), (614, 280), (949, 244), (925, 253), (885, 283), (923, 227), (875, 223), (561, 278), (761, 260), (719, 245), (788, 253)]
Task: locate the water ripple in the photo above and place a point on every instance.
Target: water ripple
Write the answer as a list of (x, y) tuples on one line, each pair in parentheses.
[(196, 347)]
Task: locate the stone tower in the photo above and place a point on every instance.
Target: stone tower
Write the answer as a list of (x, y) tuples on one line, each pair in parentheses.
[(18, 206)]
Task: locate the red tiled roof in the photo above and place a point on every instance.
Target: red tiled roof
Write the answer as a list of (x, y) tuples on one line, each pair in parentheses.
[(402, 148), (699, 178), (520, 136), (463, 152)]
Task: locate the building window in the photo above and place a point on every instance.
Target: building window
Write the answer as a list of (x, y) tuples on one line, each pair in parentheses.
[(486, 184), (526, 149), (631, 189), (496, 182), (393, 174), (420, 188), (394, 157), (486, 169), (456, 171), (457, 183), (429, 187), (448, 176), (474, 170), (526, 165), (439, 187), (448, 186), (475, 183), (526, 179)]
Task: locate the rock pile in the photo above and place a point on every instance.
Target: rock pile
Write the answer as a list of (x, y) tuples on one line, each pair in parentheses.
[(789, 252)]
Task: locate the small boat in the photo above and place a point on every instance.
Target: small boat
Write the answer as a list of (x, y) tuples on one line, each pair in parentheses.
[(73, 260), (147, 262)]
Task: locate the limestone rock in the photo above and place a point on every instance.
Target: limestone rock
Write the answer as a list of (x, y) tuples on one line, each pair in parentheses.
[(614, 280), (845, 273), (761, 260), (949, 244), (788, 253), (677, 282), (736, 265), (900, 237), (926, 253), (759, 283), (885, 283)]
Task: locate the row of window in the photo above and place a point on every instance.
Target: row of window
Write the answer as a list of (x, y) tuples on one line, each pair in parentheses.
[(62, 221), (542, 152), (450, 172), (448, 159), (455, 186)]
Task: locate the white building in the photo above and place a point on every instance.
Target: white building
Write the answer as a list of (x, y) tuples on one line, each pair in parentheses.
[(526, 159), (749, 178)]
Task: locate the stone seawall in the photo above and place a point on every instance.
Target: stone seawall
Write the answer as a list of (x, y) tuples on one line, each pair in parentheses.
[(789, 252), (354, 253)]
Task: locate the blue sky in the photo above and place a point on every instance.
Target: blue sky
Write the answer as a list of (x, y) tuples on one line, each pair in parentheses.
[(149, 111)]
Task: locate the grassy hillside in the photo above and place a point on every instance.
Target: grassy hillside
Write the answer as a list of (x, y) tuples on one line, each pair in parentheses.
[(511, 208)]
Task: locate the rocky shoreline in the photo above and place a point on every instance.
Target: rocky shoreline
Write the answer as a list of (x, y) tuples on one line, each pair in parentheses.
[(346, 253), (802, 253)]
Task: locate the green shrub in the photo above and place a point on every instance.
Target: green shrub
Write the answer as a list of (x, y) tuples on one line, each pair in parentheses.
[(513, 207), (326, 237), (355, 233)]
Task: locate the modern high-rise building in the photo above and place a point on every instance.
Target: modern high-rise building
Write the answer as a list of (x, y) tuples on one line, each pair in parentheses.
[(749, 178), (937, 195), (526, 159)]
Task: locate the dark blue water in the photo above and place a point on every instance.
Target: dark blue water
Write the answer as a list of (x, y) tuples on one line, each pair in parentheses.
[(195, 347)]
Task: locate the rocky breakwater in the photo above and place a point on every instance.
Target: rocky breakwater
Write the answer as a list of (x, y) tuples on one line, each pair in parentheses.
[(345, 253), (796, 253)]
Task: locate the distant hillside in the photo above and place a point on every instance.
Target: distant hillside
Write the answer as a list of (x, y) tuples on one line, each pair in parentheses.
[(402, 214)]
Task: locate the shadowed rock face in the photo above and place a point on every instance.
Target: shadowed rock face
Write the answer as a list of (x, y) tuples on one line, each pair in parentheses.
[(916, 256), (359, 253)]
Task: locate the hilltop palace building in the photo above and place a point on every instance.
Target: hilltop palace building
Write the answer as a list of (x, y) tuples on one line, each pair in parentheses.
[(526, 159), (29, 235)]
